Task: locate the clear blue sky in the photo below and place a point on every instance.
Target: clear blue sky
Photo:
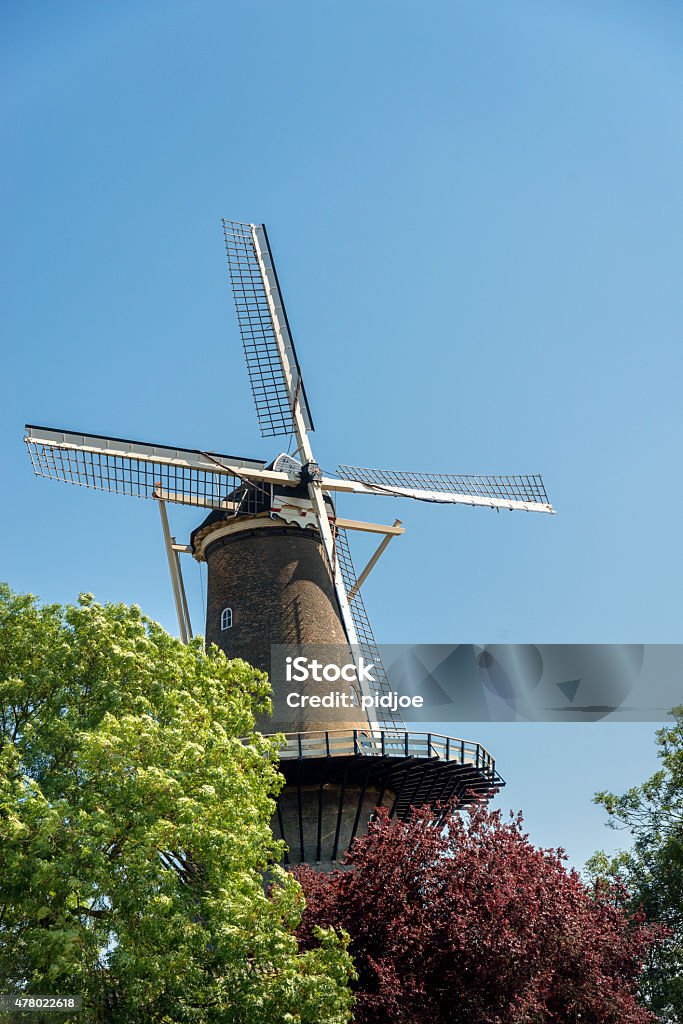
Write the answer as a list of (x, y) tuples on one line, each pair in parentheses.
[(476, 214)]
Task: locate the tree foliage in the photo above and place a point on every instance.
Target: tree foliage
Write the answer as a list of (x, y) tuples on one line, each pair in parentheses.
[(134, 829), (653, 868), (472, 924)]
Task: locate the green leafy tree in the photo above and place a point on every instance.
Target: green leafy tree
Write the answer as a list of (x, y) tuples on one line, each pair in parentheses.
[(134, 829), (652, 870)]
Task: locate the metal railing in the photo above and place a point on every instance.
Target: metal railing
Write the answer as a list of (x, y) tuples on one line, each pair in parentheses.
[(386, 743)]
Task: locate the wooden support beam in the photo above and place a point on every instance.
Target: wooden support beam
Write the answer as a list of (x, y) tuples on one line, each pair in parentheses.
[(179, 596), (173, 569), (396, 529), (356, 524), (183, 595)]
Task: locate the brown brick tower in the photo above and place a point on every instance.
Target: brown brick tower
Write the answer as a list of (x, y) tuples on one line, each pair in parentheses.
[(268, 583)]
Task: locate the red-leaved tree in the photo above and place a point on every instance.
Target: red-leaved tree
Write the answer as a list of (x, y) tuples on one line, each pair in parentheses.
[(472, 924)]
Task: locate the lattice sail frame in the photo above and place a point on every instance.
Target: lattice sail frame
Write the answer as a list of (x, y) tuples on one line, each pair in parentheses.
[(522, 491), (254, 287), (180, 475), (365, 638)]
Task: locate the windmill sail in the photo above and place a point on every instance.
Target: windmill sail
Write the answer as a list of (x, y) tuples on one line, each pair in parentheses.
[(365, 639), (272, 363), (181, 475), (525, 492)]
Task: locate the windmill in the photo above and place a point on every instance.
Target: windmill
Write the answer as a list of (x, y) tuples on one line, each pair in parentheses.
[(280, 573)]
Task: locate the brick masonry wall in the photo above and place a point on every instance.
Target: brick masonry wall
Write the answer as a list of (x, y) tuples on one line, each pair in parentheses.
[(276, 581)]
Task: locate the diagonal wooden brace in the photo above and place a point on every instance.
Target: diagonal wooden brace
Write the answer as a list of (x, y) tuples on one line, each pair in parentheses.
[(390, 532)]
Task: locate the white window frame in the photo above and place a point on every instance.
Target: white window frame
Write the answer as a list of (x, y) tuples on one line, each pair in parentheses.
[(226, 619)]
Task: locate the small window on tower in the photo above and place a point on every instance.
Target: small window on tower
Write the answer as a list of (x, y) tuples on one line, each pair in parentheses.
[(226, 618)]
